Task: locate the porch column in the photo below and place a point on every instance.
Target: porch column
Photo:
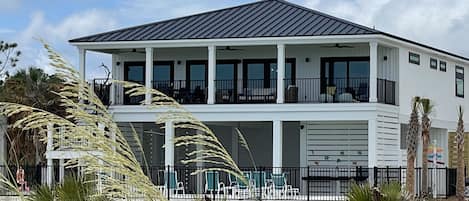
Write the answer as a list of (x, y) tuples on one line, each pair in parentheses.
[(373, 72), (112, 91), (3, 132), (372, 159), (277, 146), (212, 65), (81, 63), (169, 144), (148, 73), (61, 170), (49, 147), (280, 72)]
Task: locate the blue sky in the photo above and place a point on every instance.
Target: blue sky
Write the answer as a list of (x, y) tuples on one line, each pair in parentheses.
[(443, 24)]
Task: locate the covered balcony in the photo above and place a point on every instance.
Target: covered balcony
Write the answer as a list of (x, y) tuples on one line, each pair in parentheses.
[(325, 73)]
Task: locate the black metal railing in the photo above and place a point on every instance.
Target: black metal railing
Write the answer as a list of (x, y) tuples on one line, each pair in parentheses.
[(386, 91), (303, 183), (133, 100), (183, 91), (102, 88), (246, 91), (324, 90)]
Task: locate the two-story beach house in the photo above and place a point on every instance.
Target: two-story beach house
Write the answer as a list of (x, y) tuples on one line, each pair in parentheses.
[(305, 88)]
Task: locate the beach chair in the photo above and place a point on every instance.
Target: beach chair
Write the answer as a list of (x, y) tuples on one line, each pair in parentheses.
[(241, 190), (280, 188), (174, 187), (213, 184), (260, 182)]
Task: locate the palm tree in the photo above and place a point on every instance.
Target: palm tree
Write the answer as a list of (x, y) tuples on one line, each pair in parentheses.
[(411, 139), (460, 149), (32, 87), (426, 109)]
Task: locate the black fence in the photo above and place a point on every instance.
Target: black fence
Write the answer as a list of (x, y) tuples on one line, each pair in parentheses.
[(287, 183), (102, 88)]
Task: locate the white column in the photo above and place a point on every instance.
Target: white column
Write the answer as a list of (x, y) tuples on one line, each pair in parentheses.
[(277, 146), (169, 144), (280, 72), (61, 170), (112, 91), (212, 65), (373, 72), (81, 63), (372, 156), (49, 147), (148, 73)]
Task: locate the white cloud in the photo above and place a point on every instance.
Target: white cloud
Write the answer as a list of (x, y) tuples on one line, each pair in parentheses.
[(75, 25), (442, 24)]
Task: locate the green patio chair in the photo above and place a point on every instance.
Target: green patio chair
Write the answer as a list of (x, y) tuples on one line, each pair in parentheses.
[(260, 182), (241, 189), (173, 186), (213, 184), (280, 188)]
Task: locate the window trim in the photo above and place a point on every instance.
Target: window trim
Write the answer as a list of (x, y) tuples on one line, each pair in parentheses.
[(415, 55), (459, 76), (435, 67), (443, 63)]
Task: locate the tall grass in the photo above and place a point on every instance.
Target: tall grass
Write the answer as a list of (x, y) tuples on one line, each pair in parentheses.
[(113, 163)]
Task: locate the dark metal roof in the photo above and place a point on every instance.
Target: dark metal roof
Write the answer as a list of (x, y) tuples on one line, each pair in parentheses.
[(267, 18)]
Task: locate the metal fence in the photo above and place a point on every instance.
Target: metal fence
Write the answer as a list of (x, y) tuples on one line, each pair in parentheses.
[(286, 183)]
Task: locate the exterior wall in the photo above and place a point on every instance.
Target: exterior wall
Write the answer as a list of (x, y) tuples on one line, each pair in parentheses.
[(421, 80), (336, 143), (387, 137)]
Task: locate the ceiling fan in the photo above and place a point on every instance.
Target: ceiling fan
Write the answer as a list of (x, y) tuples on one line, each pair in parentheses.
[(229, 48), (337, 45)]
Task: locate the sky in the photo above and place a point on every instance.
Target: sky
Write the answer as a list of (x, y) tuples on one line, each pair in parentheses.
[(441, 24)]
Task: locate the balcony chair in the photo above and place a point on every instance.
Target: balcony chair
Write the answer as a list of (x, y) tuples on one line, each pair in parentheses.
[(260, 183), (291, 95), (174, 186), (280, 188), (345, 98), (241, 189), (213, 184)]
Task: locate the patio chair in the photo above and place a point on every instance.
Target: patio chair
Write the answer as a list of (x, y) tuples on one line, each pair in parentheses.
[(213, 184), (174, 187), (281, 188), (240, 188), (260, 182)]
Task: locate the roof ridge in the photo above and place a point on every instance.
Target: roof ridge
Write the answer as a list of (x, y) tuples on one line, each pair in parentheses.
[(172, 19), (327, 15)]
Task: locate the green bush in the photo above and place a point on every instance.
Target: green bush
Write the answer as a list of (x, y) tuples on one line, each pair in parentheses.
[(360, 192)]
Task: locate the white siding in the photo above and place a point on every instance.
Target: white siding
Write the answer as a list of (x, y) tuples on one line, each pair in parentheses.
[(336, 143), (387, 138)]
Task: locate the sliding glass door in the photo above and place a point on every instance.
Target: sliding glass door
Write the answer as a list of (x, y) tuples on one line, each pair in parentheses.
[(134, 72)]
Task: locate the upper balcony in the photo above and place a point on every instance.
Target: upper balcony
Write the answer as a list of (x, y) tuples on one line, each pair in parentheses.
[(337, 73)]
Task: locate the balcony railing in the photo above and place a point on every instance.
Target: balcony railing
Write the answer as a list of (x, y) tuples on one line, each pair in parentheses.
[(246, 91), (184, 92), (300, 90), (386, 91)]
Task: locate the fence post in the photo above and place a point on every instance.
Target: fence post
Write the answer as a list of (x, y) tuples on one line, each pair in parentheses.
[(167, 181), (387, 174), (375, 176), (307, 182)]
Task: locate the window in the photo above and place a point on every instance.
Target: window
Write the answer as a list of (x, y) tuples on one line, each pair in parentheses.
[(443, 66), (262, 73), (414, 58), (433, 63), (196, 75), (459, 81), (134, 72)]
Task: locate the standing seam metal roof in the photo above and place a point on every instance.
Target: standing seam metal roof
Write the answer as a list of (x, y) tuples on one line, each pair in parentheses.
[(267, 18)]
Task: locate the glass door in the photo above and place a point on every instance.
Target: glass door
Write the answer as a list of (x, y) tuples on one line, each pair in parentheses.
[(196, 82), (226, 81), (163, 77), (134, 72)]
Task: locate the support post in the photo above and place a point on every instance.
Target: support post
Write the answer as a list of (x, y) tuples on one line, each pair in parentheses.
[(81, 63), (372, 159), (212, 63), (3, 132), (148, 73), (112, 90), (169, 144), (277, 146), (373, 72), (61, 170), (280, 73), (49, 147)]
